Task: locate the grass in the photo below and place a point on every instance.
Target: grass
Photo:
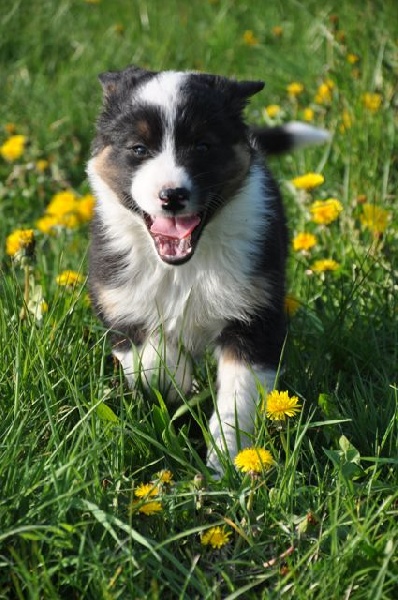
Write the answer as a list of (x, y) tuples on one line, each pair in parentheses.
[(75, 445)]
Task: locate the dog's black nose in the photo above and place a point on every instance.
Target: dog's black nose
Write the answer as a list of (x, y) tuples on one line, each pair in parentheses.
[(174, 198)]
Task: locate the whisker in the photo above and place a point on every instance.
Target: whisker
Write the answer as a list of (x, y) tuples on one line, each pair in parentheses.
[(215, 202)]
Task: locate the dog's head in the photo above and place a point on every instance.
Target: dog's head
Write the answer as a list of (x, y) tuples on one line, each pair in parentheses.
[(173, 147)]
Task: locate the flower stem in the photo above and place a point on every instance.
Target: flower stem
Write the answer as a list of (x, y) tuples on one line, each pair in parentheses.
[(285, 445), (251, 495), (26, 293)]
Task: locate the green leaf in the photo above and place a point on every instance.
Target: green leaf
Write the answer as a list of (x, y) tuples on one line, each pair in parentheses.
[(31, 536), (106, 414)]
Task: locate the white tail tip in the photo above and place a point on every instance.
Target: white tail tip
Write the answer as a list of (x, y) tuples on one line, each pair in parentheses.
[(306, 135)]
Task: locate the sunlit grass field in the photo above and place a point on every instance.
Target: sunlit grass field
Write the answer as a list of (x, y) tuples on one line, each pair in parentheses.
[(103, 491)]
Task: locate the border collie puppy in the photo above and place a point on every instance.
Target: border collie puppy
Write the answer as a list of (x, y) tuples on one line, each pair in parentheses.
[(189, 241)]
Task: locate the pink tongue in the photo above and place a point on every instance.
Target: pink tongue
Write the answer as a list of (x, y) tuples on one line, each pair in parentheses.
[(175, 227)]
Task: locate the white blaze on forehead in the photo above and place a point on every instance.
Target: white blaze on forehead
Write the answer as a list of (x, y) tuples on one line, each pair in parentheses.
[(161, 171), (163, 91)]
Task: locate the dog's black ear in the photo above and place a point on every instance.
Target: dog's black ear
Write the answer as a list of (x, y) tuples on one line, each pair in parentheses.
[(247, 89), (239, 93), (112, 81), (231, 87)]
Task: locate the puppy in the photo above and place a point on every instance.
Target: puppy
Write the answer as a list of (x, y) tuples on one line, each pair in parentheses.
[(189, 240)]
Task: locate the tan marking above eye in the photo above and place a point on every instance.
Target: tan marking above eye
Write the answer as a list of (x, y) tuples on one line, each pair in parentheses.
[(143, 129)]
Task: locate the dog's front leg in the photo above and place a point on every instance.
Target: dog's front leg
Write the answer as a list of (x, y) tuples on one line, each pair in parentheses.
[(232, 423), (157, 364)]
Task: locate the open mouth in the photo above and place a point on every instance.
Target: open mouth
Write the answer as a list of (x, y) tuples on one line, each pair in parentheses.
[(174, 236)]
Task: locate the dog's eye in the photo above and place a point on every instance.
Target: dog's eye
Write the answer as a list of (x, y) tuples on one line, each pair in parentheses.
[(139, 150), (202, 146)]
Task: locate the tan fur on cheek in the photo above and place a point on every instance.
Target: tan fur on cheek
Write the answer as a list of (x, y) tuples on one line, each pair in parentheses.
[(105, 168)]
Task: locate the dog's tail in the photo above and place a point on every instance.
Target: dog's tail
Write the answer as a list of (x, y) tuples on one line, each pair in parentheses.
[(282, 138)]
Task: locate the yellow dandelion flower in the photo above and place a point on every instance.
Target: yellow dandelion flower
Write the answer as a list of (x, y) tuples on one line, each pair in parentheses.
[(272, 110), (303, 242), (325, 264), (277, 31), (330, 83), (308, 114), (253, 460), (69, 278), (352, 58), (13, 148), (291, 305), (249, 38), (324, 93), (47, 224), (374, 217), (216, 537), (20, 241), (279, 405), (372, 101), (346, 120), (144, 490), (41, 165), (150, 508), (70, 221), (85, 207), (309, 181), (294, 89), (66, 210), (165, 476), (324, 212), (62, 203)]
